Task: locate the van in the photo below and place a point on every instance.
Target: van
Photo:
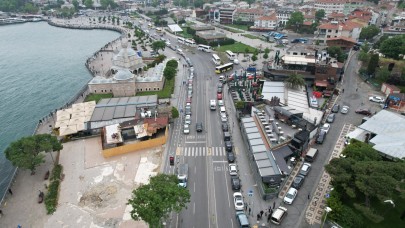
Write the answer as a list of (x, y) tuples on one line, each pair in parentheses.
[(321, 137), (227, 136), (242, 220), (278, 215), (311, 155), (213, 104)]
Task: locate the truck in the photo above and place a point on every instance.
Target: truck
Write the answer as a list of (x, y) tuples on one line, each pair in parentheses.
[(213, 104), (182, 175)]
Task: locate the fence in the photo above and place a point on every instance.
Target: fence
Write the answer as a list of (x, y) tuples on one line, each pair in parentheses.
[(136, 146)]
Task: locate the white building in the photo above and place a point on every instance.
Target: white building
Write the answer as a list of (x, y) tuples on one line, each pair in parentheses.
[(266, 23), (283, 15)]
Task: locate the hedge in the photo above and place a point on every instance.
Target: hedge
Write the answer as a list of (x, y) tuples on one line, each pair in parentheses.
[(51, 198)]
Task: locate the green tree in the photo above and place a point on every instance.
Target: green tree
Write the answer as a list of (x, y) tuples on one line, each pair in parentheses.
[(27, 153), (184, 3), (265, 56), (369, 32), (154, 202), (76, 5), (254, 58), (336, 52), (267, 50), (158, 45), (175, 113), (169, 73), (246, 50), (393, 47), (319, 14), (88, 3), (172, 63), (372, 64), (295, 81), (30, 8), (198, 3), (296, 20), (240, 105)]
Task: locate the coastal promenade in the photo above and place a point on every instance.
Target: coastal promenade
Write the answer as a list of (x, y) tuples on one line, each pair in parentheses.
[(21, 207)]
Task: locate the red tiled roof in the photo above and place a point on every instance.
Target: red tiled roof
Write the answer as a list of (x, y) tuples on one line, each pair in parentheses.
[(343, 38), (329, 26), (307, 23), (254, 11), (334, 14), (272, 17)]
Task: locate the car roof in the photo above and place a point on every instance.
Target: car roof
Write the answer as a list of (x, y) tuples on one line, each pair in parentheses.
[(292, 190)]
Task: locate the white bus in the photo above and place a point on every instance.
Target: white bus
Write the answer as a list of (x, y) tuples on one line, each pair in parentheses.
[(190, 42), (216, 59), (181, 40), (203, 47), (231, 55)]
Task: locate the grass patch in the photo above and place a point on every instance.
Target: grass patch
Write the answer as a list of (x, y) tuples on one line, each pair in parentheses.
[(251, 36), (166, 92), (97, 97), (243, 27), (236, 48)]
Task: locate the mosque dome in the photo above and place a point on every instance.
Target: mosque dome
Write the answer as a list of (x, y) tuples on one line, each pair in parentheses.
[(123, 74)]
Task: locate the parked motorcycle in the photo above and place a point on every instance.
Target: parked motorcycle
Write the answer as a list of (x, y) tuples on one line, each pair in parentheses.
[(40, 197)]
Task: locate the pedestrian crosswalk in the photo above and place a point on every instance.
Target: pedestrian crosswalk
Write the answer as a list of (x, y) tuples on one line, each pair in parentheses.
[(201, 151)]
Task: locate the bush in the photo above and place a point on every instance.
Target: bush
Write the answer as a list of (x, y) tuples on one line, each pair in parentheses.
[(56, 173), (51, 198), (175, 113), (221, 42), (169, 72), (172, 63), (369, 213)]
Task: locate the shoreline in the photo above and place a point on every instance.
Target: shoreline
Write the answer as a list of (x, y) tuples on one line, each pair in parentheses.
[(44, 123)]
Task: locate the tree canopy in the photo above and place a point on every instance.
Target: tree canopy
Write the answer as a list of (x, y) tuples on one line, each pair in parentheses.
[(393, 47), (295, 81), (319, 14), (336, 52), (169, 72), (88, 3), (369, 32), (372, 64), (158, 45), (296, 20), (26, 152), (153, 202)]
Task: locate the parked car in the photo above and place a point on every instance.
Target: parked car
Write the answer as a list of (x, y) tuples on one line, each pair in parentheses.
[(336, 108), (290, 196), (186, 129), (228, 146), (376, 99), (224, 119), (199, 127), (363, 112), (325, 128), (187, 119), (330, 118), (321, 137), (298, 181), (231, 157), (306, 167), (233, 170), (238, 201), (345, 109), (235, 182), (220, 103), (225, 127), (219, 90), (219, 96)]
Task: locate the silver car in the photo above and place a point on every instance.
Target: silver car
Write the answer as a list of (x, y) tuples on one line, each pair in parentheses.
[(306, 167), (345, 109)]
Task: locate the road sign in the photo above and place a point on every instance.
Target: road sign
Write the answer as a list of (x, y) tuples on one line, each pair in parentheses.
[(250, 193)]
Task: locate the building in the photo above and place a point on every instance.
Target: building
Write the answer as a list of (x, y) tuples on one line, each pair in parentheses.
[(265, 23), (247, 16), (343, 42), (200, 27), (330, 6), (126, 76), (351, 5), (337, 29), (210, 36), (283, 15), (224, 14)]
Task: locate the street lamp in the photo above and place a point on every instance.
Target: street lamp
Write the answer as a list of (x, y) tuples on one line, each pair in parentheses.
[(327, 209)]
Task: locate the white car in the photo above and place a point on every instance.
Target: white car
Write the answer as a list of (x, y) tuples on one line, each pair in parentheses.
[(187, 120), (345, 109), (221, 103), (233, 171), (224, 118), (290, 196), (238, 201), (325, 128), (376, 99), (186, 129), (167, 43)]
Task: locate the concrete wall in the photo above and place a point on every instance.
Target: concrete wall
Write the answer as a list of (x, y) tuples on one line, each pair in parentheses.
[(149, 86), (136, 146)]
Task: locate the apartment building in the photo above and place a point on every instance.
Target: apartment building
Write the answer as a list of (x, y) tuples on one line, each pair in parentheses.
[(247, 16), (283, 15), (338, 6), (337, 29), (224, 14), (265, 23)]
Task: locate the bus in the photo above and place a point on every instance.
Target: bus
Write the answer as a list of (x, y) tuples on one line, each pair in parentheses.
[(216, 59), (203, 47), (231, 55), (223, 68), (181, 40), (190, 42)]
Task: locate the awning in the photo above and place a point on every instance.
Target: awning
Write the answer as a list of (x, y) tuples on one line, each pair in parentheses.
[(321, 83), (69, 130)]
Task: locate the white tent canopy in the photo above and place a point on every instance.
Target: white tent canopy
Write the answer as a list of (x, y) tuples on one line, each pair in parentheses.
[(71, 129)]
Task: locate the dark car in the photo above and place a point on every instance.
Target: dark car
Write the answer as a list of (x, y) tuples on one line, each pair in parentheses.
[(231, 157), (225, 127), (363, 112), (199, 127), (330, 118), (219, 90), (235, 182), (228, 146), (321, 137), (336, 108), (187, 110), (298, 181)]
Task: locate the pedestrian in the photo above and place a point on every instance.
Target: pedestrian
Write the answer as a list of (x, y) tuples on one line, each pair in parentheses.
[(261, 213), (1, 213), (268, 217), (246, 206), (357, 89), (258, 217), (269, 208), (250, 210), (309, 196), (9, 191)]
